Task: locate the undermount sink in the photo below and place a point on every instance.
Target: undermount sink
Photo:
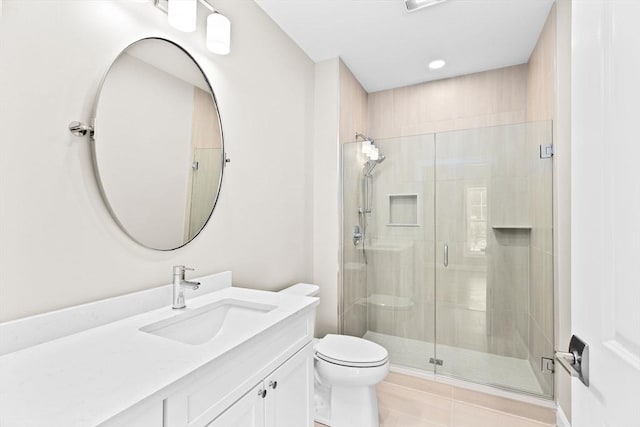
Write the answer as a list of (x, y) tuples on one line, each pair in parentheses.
[(201, 325)]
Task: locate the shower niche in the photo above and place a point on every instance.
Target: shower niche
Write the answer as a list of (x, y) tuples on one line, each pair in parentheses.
[(403, 210), (455, 269)]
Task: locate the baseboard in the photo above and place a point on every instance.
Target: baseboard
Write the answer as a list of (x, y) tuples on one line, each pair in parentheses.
[(561, 418)]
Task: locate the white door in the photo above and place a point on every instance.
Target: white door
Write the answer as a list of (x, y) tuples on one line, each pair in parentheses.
[(605, 263), (246, 412), (290, 388)]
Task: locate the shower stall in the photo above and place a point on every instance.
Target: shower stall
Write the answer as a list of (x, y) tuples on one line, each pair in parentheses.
[(447, 253)]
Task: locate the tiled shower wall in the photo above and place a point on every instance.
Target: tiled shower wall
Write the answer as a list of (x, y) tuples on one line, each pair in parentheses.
[(490, 98)]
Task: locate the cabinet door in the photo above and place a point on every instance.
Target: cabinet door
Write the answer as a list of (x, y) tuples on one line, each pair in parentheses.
[(249, 411), (290, 392)]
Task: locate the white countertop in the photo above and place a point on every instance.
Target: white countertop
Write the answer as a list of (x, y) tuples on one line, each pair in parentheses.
[(86, 378)]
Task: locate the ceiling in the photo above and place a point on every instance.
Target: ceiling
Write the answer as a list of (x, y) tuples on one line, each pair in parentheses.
[(386, 47)]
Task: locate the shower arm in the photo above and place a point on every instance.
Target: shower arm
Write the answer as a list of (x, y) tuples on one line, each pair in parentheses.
[(363, 137)]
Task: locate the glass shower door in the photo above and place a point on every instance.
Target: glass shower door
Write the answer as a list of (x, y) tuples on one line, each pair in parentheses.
[(387, 274), (493, 251)]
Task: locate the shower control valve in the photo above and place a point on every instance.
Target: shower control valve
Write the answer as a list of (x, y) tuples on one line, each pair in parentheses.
[(357, 235)]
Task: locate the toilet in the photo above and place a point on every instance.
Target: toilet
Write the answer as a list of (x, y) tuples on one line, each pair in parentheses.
[(347, 370)]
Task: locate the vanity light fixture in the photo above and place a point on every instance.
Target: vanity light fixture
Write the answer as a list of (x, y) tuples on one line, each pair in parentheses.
[(436, 64), (218, 33), (413, 5), (183, 16)]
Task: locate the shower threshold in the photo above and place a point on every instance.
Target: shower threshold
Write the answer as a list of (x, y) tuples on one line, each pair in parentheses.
[(470, 365)]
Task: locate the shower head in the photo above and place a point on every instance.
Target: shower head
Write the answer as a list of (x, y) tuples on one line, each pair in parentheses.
[(371, 165)]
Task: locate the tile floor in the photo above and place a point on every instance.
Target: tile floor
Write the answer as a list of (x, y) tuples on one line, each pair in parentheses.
[(406, 401)]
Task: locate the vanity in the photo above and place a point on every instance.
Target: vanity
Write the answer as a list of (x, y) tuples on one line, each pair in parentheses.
[(232, 357)]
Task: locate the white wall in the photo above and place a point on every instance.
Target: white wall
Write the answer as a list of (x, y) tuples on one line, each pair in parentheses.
[(143, 148), (58, 244)]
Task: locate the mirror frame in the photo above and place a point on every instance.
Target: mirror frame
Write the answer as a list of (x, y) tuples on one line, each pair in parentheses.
[(94, 156)]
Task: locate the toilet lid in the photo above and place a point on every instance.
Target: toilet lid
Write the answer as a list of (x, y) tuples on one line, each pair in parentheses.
[(350, 351)]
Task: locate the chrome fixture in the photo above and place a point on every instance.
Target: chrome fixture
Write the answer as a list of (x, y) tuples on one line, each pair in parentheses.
[(546, 151), (357, 235), (80, 129), (413, 5), (183, 14), (374, 157), (178, 283), (363, 137), (367, 185), (576, 360), (369, 148), (371, 165), (445, 257)]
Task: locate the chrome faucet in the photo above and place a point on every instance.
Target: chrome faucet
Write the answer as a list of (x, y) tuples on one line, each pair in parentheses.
[(178, 283)]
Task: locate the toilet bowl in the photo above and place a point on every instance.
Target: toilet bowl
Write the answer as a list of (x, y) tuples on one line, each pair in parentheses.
[(347, 370)]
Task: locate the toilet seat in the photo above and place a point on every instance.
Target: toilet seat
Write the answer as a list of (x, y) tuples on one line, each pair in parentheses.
[(351, 351)]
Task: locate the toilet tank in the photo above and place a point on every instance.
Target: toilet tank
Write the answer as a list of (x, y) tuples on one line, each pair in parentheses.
[(304, 289)]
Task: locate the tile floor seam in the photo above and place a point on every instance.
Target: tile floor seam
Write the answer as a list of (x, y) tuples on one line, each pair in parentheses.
[(419, 391)]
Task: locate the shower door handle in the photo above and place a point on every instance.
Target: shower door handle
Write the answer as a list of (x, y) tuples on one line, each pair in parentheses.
[(446, 255)]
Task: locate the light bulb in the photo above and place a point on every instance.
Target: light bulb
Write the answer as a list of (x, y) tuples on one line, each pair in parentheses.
[(183, 14), (218, 34)]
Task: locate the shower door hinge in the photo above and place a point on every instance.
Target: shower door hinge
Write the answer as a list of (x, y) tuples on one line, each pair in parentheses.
[(434, 361), (547, 365), (546, 151)]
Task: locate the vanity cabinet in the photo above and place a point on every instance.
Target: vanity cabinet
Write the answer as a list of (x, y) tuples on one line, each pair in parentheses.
[(278, 363), (283, 399)]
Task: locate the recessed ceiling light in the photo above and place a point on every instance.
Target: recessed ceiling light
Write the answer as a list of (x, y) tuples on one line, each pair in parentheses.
[(412, 5), (436, 64)]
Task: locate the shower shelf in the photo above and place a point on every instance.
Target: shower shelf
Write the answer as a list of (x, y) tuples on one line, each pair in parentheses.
[(511, 227)]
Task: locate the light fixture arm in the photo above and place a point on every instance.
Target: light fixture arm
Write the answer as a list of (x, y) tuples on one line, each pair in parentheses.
[(208, 5)]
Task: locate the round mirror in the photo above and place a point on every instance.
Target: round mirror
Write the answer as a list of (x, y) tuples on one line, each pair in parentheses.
[(158, 146)]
